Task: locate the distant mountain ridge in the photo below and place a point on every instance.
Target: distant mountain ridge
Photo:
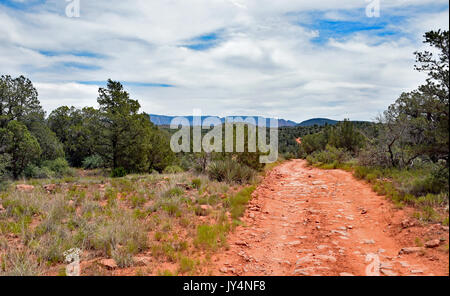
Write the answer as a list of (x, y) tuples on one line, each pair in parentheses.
[(166, 120), (318, 121)]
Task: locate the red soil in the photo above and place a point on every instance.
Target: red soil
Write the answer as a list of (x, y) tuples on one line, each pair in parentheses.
[(308, 221)]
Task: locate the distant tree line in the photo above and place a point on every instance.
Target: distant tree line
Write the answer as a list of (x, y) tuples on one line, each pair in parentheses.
[(113, 136)]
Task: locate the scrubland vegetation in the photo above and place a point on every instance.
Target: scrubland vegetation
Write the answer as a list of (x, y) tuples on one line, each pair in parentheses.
[(106, 181), (175, 221)]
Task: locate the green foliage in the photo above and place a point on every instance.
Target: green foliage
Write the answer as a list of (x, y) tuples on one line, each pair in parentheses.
[(78, 130), (211, 236), (331, 155), (230, 171), (196, 183), (186, 265), (35, 172), (239, 201), (416, 126), (344, 135), (18, 100), (59, 166), (4, 173), (118, 172), (93, 162), (21, 146), (173, 169)]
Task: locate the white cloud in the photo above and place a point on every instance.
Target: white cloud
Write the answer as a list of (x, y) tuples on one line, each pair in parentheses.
[(264, 63)]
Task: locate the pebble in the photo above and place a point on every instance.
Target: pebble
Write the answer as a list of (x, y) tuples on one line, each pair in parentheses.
[(368, 242)]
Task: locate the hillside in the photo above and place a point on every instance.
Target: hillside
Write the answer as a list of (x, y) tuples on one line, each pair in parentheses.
[(165, 120)]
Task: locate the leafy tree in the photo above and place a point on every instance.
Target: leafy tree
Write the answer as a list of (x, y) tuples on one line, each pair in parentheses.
[(160, 155), (18, 99), (22, 147), (77, 130), (416, 125), (346, 136), (124, 133)]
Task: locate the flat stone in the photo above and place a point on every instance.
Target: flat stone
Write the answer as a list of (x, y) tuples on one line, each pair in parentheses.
[(142, 261), (108, 263), (241, 243), (368, 241), (24, 188), (294, 243), (433, 243), (306, 259), (411, 250), (326, 258)]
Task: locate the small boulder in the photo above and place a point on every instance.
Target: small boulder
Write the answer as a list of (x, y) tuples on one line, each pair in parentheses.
[(407, 223), (241, 243), (108, 264), (50, 188), (433, 243), (24, 188), (411, 250), (141, 261)]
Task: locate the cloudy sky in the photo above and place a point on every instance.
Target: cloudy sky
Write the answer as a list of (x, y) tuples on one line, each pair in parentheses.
[(293, 59)]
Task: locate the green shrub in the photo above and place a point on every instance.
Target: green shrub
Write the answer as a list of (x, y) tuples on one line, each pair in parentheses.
[(93, 162), (239, 201), (230, 171), (173, 192), (60, 167), (208, 236), (36, 172), (173, 169), (118, 172), (331, 155), (122, 257), (196, 183), (186, 265)]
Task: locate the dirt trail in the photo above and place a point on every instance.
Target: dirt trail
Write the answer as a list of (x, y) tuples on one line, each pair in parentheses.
[(306, 221)]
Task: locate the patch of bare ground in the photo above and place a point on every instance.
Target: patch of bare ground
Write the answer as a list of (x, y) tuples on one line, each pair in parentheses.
[(306, 221)]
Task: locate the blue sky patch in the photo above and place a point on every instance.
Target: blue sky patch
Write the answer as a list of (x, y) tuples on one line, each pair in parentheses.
[(22, 5), (128, 83), (81, 66), (203, 42), (355, 21), (85, 54)]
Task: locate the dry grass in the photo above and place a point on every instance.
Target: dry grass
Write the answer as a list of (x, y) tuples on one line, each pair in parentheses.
[(157, 216)]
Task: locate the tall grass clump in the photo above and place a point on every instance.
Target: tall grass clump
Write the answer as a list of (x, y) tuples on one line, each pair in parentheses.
[(238, 202), (230, 171)]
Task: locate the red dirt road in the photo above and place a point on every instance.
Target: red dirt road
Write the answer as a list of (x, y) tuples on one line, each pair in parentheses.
[(306, 221)]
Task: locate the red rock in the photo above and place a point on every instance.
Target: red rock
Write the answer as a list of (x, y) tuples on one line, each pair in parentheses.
[(411, 250), (50, 188), (241, 243), (24, 188), (108, 263), (407, 223), (433, 243)]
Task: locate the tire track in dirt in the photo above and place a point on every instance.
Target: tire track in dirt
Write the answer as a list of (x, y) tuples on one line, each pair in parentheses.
[(305, 221)]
